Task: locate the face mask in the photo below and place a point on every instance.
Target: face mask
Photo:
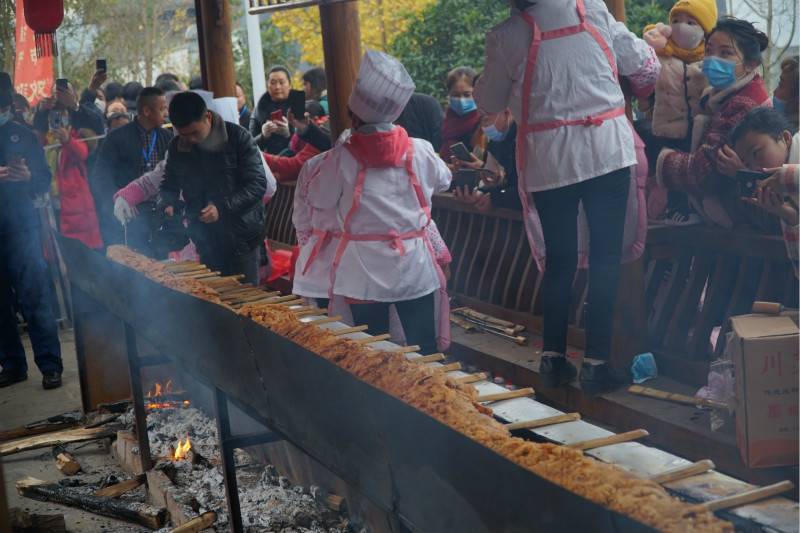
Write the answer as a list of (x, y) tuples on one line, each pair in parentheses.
[(101, 105), (494, 134), (686, 36), (778, 105), (5, 117), (462, 106), (720, 73)]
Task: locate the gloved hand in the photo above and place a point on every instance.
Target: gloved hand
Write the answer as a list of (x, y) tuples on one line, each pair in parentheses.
[(282, 128), (658, 36), (123, 211)]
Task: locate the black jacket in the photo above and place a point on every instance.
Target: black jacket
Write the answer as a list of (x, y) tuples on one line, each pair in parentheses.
[(118, 162), (504, 151), (226, 170), (422, 118), (275, 144), (16, 198)]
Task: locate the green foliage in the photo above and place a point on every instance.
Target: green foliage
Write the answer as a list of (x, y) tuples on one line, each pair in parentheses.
[(447, 34), (640, 13)]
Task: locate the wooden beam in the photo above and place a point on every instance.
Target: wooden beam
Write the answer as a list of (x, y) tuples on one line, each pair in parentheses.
[(216, 51), (617, 8), (341, 44)]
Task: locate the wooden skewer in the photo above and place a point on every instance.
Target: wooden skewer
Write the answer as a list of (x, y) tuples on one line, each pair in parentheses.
[(607, 441), (250, 297), (189, 267), (449, 368), (267, 300), (234, 289), (345, 331), (228, 279), (274, 298), (750, 496), (472, 378), (311, 312), (289, 303), (542, 422), (376, 338), (326, 320), (429, 358), (304, 308), (675, 397), (508, 395), (682, 472), (195, 274), (404, 349), (460, 322)]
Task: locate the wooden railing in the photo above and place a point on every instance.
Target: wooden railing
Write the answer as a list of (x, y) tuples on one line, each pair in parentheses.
[(689, 281)]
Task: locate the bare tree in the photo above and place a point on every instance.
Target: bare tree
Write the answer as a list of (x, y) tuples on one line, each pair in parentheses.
[(780, 18)]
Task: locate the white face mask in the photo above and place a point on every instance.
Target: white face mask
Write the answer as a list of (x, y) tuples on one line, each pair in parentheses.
[(101, 105), (686, 36)]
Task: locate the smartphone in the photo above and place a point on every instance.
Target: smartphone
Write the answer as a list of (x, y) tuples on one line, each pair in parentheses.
[(461, 152), (100, 64), (297, 103), (465, 177), (62, 83), (276, 115), (748, 180)]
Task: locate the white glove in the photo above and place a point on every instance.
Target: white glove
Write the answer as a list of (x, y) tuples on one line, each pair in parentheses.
[(267, 129), (123, 211)]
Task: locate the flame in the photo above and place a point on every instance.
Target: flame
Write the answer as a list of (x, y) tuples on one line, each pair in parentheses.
[(182, 449), (156, 396)]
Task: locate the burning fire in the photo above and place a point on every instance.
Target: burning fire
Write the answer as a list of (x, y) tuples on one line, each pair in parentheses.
[(183, 448), (157, 397)]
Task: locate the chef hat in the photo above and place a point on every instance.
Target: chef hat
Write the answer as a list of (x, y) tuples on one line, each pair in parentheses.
[(382, 89)]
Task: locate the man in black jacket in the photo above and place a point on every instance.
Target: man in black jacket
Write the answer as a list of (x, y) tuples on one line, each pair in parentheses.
[(24, 175), (217, 168), (128, 152), (422, 118)]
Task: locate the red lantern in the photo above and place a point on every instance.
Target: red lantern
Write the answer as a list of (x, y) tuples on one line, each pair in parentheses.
[(43, 17)]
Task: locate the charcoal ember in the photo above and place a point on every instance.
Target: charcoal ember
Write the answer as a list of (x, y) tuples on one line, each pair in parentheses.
[(107, 480), (283, 482)]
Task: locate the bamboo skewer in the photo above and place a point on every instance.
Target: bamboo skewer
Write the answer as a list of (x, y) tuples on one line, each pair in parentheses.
[(242, 294), (749, 496), (488, 319), (289, 303), (608, 441), (449, 367), (508, 395), (326, 320), (542, 422), (376, 338), (256, 295), (311, 312), (346, 331), (230, 290), (228, 279), (274, 298), (429, 358), (304, 308), (460, 322), (403, 349), (197, 274), (675, 397), (190, 267), (472, 378), (682, 472)]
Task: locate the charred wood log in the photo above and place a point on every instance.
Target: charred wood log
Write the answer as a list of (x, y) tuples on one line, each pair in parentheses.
[(27, 522)]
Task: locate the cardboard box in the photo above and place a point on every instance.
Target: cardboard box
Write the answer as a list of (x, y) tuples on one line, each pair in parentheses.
[(764, 350)]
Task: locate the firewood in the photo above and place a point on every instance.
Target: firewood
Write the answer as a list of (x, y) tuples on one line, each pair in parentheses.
[(117, 490), (28, 522), (53, 439), (48, 425), (139, 513), (334, 502), (66, 462), (204, 521)]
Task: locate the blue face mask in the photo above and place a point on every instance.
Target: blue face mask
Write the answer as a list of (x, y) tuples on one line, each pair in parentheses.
[(720, 73), (494, 134), (5, 117), (778, 105), (462, 106)]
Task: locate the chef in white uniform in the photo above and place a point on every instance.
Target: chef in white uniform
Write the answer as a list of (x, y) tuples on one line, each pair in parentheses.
[(379, 182)]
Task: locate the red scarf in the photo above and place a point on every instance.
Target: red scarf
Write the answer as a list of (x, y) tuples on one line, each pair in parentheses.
[(456, 127)]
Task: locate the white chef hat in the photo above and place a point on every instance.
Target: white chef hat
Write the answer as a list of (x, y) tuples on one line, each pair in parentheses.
[(382, 89)]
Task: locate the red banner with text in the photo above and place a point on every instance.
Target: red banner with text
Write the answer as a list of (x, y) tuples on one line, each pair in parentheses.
[(33, 76)]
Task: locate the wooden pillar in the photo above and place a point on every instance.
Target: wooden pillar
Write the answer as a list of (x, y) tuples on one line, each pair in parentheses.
[(216, 48), (341, 43), (617, 8)]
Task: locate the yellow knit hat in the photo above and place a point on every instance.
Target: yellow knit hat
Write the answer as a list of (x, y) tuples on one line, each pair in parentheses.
[(703, 11)]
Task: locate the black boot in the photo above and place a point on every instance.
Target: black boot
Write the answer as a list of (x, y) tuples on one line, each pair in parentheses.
[(598, 378), (8, 377), (51, 380), (556, 370)]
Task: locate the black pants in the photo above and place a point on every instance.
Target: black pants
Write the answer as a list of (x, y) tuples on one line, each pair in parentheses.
[(417, 317), (22, 268), (604, 201), (230, 264)]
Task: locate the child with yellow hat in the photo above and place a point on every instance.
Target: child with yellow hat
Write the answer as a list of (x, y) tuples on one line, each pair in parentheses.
[(671, 109)]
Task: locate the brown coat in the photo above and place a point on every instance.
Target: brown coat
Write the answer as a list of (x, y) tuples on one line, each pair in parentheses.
[(677, 98)]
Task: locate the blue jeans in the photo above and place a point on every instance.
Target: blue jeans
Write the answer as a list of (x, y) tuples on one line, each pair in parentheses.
[(22, 268)]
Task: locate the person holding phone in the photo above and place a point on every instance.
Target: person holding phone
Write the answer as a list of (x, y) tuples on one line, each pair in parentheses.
[(78, 114), (269, 123), (24, 175), (462, 122)]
